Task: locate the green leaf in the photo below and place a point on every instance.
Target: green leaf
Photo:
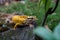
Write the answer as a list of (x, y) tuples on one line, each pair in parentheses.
[(57, 32), (44, 33)]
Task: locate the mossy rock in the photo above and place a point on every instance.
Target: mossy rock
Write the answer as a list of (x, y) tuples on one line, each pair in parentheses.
[(2, 21)]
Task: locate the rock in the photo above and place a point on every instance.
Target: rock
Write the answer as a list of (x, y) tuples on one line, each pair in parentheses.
[(18, 34)]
